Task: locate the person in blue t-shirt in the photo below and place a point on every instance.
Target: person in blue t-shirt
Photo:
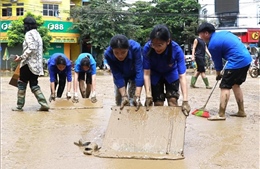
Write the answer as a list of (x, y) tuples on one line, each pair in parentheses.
[(85, 72), (164, 69), (227, 46), (126, 64), (59, 67)]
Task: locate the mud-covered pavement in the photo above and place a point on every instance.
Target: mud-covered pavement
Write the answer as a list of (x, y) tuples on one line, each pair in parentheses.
[(41, 140)]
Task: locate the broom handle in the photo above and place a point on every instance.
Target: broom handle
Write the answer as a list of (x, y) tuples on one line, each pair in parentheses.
[(222, 72)]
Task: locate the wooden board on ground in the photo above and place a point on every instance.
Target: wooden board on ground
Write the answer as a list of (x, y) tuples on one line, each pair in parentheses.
[(61, 103), (154, 134)]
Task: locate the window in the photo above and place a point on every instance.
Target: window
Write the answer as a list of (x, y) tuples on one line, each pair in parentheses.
[(19, 11), (6, 11), (50, 10)]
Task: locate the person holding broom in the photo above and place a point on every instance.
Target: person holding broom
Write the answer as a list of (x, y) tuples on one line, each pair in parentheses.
[(199, 50), (126, 63), (59, 67), (31, 66), (85, 77), (227, 46), (164, 70)]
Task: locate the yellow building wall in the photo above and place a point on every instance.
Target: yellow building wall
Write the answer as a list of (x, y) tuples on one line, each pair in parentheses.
[(75, 51)]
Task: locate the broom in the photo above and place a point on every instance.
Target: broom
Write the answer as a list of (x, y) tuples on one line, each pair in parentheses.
[(202, 112)]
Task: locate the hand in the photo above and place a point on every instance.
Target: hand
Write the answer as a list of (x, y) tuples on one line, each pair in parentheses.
[(219, 77), (125, 102), (75, 98), (17, 59), (68, 95), (148, 102), (185, 108), (93, 97), (137, 103), (52, 97)]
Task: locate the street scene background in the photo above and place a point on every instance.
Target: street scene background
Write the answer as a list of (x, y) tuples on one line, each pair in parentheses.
[(40, 140)]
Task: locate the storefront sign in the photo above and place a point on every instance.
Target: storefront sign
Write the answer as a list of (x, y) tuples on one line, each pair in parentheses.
[(60, 27), (253, 35), (4, 26), (60, 39), (3, 39)]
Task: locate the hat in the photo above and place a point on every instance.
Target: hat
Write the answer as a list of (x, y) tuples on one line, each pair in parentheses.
[(29, 20), (206, 27)]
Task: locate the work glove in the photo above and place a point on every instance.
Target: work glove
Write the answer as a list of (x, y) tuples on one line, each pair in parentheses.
[(148, 102), (137, 102), (93, 97), (75, 98), (52, 97), (185, 108), (125, 102), (219, 77), (68, 95)]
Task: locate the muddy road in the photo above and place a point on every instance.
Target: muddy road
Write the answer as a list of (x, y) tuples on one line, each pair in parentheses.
[(41, 140)]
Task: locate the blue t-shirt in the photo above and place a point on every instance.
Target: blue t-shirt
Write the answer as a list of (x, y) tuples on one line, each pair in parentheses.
[(130, 68), (160, 65), (92, 69), (228, 46), (53, 70)]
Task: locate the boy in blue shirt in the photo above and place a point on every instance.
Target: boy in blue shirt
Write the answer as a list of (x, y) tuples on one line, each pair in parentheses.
[(227, 46)]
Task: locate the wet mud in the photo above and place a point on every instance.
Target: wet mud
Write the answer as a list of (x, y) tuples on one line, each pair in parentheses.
[(40, 140)]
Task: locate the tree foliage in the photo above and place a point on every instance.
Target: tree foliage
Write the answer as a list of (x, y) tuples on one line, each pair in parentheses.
[(16, 32), (102, 19)]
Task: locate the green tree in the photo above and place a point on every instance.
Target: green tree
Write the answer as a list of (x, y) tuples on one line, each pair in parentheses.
[(16, 32)]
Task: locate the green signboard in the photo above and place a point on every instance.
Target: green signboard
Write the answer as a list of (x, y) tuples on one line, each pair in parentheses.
[(4, 25), (60, 27), (53, 26), (54, 48)]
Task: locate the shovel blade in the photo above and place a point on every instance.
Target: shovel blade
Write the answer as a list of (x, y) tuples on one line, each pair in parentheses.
[(154, 134)]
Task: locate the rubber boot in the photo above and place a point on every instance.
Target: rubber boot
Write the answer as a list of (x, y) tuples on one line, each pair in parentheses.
[(220, 116), (241, 110), (40, 97), (206, 81), (20, 96), (193, 81), (82, 88), (88, 90)]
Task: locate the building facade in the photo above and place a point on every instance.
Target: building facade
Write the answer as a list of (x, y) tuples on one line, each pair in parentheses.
[(241, 17), (55, 14)]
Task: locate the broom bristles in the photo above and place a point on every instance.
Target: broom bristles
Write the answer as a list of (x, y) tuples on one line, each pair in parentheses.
[(201, 113)]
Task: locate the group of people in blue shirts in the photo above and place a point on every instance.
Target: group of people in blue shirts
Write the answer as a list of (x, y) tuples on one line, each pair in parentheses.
[(159, 67)]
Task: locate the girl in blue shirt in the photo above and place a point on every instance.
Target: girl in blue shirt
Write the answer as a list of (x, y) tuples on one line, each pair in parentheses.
[(164, 69), (126, 64), (85, 72), (59, 66)]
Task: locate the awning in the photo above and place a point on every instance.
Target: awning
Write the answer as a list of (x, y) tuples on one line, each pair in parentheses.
[(85, 0)]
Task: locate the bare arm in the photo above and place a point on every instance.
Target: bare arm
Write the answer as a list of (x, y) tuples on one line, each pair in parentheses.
[(184, 88), (75, 82), (52, 85), (195, 43), (93, 86), (147, 82), (207, 51), (68, 86)]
